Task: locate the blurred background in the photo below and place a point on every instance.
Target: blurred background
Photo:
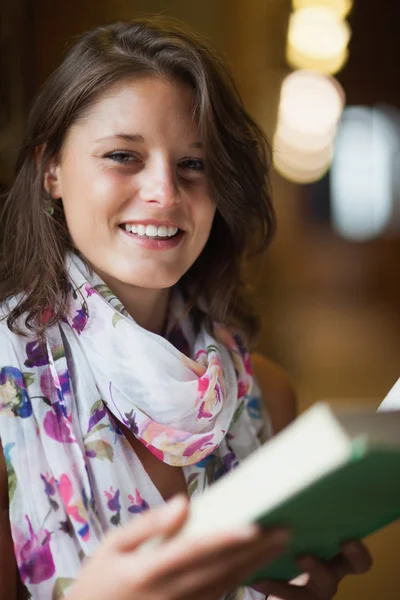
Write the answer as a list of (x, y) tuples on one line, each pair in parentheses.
[(320, 76)]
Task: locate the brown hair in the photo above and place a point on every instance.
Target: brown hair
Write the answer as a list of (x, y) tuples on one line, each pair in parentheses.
[(236, 161)]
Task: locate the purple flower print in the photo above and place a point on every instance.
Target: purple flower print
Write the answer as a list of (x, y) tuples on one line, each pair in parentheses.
[(80, 320), (49, 484), (34, 557), (57, 426), (114, 505), (200, 444), (230, 461), (203, 413), (13, 392), (138, 505), (36, 354), (113, 500), (50, 489), (47, 383), (97, 415)]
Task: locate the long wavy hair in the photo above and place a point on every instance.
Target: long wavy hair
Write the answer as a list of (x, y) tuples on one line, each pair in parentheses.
[(237, 157)]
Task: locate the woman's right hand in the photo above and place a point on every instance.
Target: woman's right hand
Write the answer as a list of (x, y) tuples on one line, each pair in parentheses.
[(176, 569)]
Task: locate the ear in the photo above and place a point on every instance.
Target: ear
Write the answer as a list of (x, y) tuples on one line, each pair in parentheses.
[(52, 178)]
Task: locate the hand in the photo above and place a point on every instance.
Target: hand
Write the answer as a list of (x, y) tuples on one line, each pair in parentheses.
[(321, 579), (177, 568)]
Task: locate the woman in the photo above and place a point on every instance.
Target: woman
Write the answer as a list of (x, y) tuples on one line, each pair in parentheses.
[(140, 187)]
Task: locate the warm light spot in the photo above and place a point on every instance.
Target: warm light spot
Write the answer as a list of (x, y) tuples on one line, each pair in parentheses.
[(340, 7), (317, 39), (310, 104), (300, 166)]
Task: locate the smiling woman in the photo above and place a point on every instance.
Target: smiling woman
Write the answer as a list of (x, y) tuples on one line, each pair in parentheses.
[(147, 211), (125, 377)]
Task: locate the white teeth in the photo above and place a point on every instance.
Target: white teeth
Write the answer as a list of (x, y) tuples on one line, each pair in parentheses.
[(151, 230), (162, 231)]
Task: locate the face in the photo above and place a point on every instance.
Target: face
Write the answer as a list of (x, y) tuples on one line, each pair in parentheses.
[(132, 182)]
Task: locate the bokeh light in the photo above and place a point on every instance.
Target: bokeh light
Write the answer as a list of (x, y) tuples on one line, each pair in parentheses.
[(317, 40), (340, 7), (310, 108), (362, 175)]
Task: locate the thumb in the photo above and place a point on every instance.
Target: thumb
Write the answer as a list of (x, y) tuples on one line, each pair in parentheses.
[(153, 525)]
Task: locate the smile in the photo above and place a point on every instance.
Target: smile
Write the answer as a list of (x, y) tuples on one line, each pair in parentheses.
[(153, 236), (151, 231)]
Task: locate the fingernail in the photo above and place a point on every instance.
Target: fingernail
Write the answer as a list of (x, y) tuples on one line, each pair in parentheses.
[(247, 532)]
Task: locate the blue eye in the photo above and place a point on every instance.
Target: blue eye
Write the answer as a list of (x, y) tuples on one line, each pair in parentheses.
[(121, 157), (192, 164)]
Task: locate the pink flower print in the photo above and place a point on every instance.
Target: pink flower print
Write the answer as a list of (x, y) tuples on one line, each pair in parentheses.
[(156, 451), (203, 445), (202, 385), (89, 289), (243, 389), (138, 505), (47, 315), (114, 505), (76, 511), (209, 390), (34, 557)]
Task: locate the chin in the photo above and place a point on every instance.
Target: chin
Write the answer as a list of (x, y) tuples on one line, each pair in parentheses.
[(152, 279)]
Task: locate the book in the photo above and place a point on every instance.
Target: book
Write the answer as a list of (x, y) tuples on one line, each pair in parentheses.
[(328, 477)]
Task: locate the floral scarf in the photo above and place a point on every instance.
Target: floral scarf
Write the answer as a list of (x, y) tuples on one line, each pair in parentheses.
[(72, 474)]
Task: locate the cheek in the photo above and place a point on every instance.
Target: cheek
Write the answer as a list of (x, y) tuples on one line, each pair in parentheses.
[(92, 193)]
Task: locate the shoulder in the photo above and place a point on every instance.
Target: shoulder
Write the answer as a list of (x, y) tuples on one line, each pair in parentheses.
[(276, 390)]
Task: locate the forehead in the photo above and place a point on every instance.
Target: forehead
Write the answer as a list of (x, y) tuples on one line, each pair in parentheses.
[(147, 105)]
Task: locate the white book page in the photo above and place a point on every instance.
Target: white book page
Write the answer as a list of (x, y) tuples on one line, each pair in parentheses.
[(392, 400)]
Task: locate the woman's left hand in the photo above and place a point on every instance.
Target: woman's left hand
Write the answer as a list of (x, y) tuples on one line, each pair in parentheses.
[(322, 578)]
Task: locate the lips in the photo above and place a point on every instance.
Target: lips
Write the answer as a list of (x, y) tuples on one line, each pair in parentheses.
[(153, 236)]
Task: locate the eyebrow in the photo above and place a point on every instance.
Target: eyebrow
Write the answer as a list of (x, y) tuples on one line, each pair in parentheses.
[(131, 137), (136, 137)]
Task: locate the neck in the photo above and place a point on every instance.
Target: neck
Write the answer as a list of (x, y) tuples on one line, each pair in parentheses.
[(148, 307)]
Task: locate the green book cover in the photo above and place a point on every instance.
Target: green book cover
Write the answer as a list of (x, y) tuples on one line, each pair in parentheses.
[(349, 503), (328, 478)]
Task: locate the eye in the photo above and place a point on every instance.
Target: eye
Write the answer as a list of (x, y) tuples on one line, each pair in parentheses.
[(121, 157), (192, 164)]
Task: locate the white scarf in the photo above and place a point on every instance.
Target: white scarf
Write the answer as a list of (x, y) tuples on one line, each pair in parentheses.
[(72, 473)]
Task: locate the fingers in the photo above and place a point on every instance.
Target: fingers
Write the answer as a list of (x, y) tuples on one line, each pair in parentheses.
[(357, 556), (323, 580), (180, 555), (163, 521), (219, 571), (279, 590)]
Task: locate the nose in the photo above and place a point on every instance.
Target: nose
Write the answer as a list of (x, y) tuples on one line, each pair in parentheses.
[(158, 184)]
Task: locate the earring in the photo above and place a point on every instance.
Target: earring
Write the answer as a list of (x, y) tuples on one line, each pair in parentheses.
[(51, 206)]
